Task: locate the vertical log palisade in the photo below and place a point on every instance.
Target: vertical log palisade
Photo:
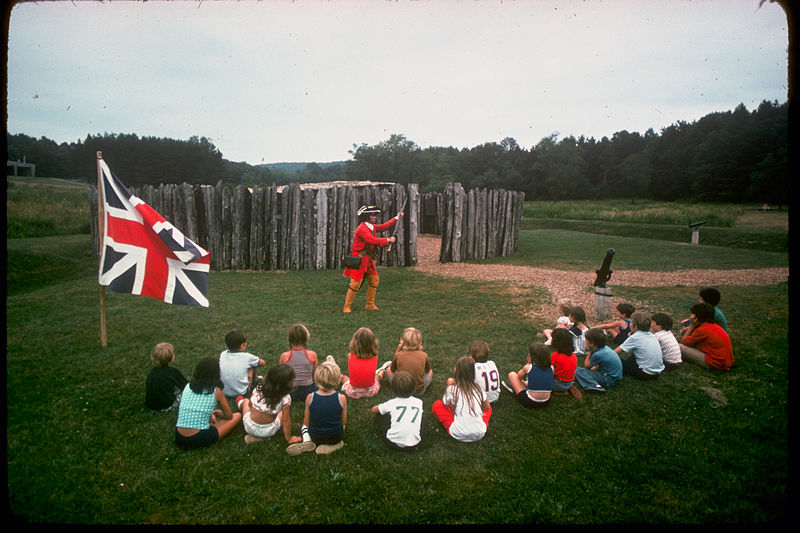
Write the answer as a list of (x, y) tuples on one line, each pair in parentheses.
[(310, 226)]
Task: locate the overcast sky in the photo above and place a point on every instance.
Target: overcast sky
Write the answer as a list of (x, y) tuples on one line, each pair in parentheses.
[(280, 81)]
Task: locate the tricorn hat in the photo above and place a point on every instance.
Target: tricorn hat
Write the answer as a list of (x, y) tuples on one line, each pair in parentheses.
[(368, 210)]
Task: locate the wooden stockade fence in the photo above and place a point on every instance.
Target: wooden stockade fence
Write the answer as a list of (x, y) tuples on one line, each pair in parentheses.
[(479, 224), (294, 227), (311, 226)]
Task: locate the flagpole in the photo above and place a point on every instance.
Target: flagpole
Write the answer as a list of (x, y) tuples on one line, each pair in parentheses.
[(100, 233)]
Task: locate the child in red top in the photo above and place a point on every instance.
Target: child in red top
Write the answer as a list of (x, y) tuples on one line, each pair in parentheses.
[(564, 361), (362, 365), (705, 342)]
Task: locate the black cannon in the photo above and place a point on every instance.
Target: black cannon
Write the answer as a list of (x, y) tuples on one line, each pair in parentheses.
[(604, 272), (696, 230)]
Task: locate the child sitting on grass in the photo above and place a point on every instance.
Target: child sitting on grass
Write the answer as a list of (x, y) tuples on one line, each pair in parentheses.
[(644, 360), (564, 362), (464, 410), (200, 423), (325, 413), (410, 357), (620, 329), (486, 374), (706, 343), (602, 368), (399, 420), (164, 382), (563, 320), (533, 383), (578, 330), (710, 296), (362, 365), (661, 326), (237, 367), (302, 360), (268, 409)]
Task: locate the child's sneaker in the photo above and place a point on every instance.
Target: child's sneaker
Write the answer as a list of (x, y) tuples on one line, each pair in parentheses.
[(325, 449), (249, 439), (330, 359), (300, 447), (507, 387), (597, 388), (384, 367)]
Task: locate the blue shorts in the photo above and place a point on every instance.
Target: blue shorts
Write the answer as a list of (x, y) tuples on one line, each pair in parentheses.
[(202, 439)]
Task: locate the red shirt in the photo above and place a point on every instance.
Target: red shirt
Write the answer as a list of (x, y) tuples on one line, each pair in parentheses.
[(712, 340), (564, 366), (361, 371)]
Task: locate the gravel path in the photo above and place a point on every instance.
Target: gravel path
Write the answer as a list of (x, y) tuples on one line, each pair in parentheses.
[(578, 285)]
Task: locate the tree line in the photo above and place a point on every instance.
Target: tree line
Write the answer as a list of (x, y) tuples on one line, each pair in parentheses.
[(732, 156)]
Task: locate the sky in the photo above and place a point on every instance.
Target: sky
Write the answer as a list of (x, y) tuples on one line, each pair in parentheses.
[(307, 80)]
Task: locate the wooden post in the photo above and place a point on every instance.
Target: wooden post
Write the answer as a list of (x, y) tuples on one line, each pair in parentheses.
[(100, 232), (412, 213), (602, 303)]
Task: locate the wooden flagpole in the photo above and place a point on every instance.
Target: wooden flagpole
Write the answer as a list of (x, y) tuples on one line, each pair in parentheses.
[(101, 232)]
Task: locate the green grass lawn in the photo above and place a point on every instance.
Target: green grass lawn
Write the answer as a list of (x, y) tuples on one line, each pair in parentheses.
[(82, 447)]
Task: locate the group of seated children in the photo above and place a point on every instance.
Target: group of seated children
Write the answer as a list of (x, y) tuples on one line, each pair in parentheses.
[(644, 348)]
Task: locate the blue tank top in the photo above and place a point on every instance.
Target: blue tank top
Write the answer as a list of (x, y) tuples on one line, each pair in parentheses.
[(540, 380), (325, 415), (624, 333)]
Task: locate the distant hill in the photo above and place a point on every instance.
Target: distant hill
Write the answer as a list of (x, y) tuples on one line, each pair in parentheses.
[(291, 168)]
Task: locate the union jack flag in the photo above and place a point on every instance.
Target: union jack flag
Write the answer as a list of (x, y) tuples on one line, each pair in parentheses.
[(146, 255)]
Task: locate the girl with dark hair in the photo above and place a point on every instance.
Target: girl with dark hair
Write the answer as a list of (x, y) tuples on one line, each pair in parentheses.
[(200, 423), (268, 409), (533, 383), (564, 363)]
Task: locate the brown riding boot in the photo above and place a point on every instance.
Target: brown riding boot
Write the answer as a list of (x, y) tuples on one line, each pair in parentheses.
[(371, 291), (348, 300)]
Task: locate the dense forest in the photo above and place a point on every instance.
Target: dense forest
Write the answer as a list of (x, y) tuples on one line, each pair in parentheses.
[(733, 156)]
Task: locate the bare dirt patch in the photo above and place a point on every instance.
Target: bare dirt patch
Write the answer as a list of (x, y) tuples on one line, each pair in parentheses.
[(579, 285)]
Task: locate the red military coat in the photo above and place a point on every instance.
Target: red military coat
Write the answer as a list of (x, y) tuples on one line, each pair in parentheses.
[(365, 236)]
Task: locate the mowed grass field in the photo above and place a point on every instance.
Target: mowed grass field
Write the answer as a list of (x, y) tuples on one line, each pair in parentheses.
[(695, 446)]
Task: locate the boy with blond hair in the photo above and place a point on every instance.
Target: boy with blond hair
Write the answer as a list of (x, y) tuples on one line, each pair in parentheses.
[(325, 414), (164, 382)]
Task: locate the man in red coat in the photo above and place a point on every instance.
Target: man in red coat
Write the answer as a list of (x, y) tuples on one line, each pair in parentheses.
[(365, 246)]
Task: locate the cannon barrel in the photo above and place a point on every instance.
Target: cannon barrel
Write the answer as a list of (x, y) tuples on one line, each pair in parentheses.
[(604, 272)]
